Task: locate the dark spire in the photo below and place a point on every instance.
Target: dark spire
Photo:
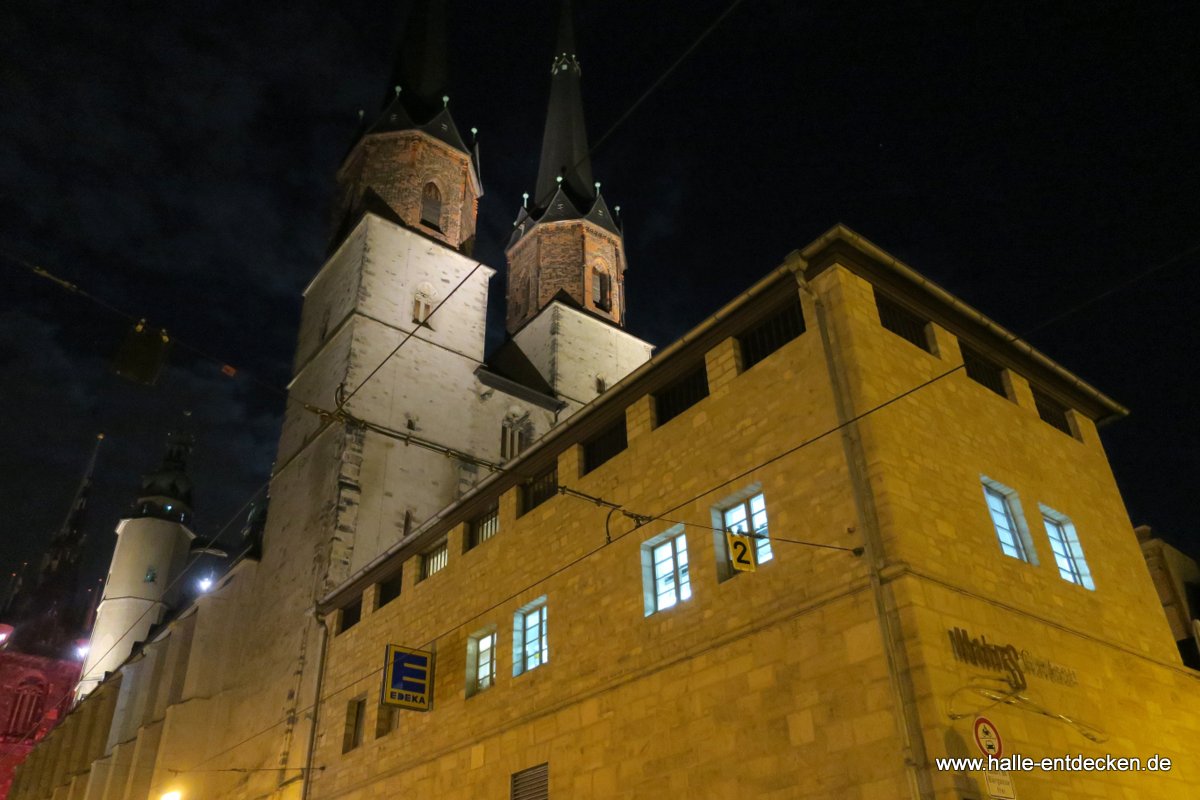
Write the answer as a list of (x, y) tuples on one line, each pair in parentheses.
[(420, 67), (49, 615), (564, 142)]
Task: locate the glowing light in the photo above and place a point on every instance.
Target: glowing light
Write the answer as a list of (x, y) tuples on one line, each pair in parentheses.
[(173, 796), (81, 650), (204, 584)]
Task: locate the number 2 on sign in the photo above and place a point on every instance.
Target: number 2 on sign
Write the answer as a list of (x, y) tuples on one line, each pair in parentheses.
[(741, 552)]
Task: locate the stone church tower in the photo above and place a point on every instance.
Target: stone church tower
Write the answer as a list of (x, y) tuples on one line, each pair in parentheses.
[(566, 257), (152, 547)]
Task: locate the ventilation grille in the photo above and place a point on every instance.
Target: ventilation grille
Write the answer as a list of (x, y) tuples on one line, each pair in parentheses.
[(531, 784)]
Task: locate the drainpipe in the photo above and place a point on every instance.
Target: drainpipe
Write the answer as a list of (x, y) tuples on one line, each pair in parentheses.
[(311, 753), (915, 759)]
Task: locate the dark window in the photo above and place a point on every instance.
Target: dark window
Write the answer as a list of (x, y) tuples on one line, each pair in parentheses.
[(673, 400), (431, 206), (604, 445), (386, 721), (602, 290), (389, 589), (902, 322), (356, 720), (531, 784), (351, 614), (1051, 411), (601, 384), (983, 370), (772, 333), (483, 527), (539, 490)]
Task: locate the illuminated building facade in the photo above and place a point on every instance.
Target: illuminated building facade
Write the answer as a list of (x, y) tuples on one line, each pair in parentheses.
[(537, 541)]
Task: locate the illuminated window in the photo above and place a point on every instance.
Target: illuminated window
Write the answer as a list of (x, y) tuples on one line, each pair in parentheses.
[(484, 527), (435, 560), (1005, 510), (1068, 553), (431, 206), (750, 516), (665, 571), (481, 661), (530, 646)]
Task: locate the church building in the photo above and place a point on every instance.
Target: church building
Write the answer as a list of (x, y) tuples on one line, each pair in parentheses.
[(845, 529)]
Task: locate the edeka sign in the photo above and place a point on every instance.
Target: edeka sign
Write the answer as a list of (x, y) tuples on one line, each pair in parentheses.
[(408, 678), (1006, 659)]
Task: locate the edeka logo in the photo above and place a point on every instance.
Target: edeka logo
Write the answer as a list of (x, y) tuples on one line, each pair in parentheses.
[(978, 652)]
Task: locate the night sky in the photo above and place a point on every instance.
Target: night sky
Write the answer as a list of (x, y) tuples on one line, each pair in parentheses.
[(177, 161)]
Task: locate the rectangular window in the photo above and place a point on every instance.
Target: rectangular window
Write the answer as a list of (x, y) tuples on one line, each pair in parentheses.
[(983, 370), (531, 784), (351, 614), (539, 489), (772, 333), (530, 645), (1005, 511), (750, 516), (902, 322), (389, 589), (675, 398), (1051, 411), (481, 661), (356, 720), (1068, 553), (665, 581), (604, 445), (483, 527), (435, 560), (386, 721)]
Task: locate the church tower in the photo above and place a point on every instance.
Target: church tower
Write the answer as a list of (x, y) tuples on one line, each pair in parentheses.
[(566, 257), (152, 548), (410, 164)]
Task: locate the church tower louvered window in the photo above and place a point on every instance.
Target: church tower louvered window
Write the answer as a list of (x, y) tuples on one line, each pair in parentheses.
[(431, 206)]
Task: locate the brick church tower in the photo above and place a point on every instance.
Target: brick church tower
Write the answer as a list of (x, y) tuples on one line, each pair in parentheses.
[(566, 257)]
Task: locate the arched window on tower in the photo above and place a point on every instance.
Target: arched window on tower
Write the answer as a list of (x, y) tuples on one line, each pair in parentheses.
[(601, 288), (516, 433), (431, 206), (29, 701)]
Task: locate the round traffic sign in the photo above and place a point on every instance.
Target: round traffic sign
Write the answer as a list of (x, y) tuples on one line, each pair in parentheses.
[(987, 738)]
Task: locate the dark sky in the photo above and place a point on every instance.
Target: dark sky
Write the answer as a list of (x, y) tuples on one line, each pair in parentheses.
[(177, 161)]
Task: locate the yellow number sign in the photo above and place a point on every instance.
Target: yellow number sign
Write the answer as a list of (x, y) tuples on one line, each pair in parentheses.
[(741, 551)]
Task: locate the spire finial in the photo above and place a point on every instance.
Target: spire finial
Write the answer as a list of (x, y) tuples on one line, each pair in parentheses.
[(525, 200), (445, 101), (396, 89), (597, 185)]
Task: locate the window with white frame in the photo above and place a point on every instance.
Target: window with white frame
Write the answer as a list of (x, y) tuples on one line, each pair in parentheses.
[(1068, 553), (481, 661), (750, 516), (665, 580), (435, 560), (530, 645), (1008, 521)]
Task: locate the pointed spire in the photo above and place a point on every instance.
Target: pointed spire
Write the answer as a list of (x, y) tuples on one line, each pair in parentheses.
[(564, 141), (421, 61)]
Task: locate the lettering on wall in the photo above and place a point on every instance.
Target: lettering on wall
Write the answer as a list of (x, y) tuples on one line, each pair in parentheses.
[(1007, 660)]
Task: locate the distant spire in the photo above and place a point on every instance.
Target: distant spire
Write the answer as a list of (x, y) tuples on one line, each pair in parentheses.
[(421, 63), (564, 142)]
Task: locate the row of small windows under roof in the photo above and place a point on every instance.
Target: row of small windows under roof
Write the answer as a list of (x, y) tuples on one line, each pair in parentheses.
[(913, 328)]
